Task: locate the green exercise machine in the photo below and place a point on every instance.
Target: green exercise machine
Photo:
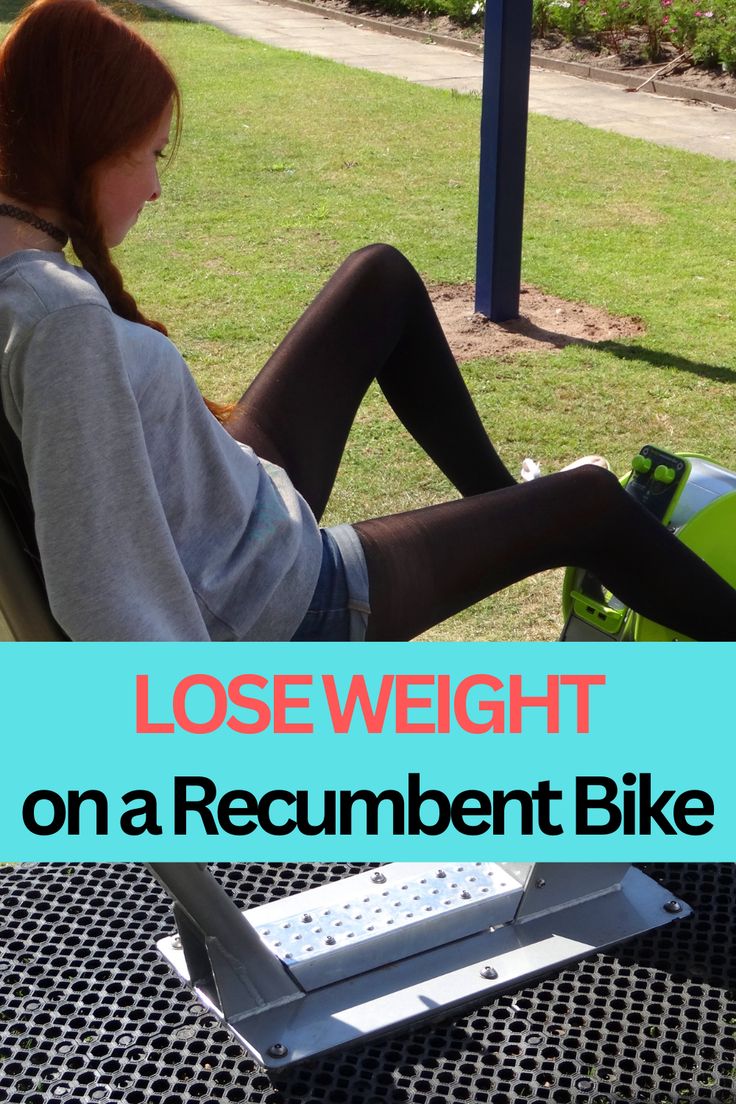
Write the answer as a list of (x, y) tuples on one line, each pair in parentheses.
[(696, 499)]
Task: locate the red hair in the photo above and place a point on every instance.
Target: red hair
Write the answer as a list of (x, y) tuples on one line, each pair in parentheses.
[(78, 86)]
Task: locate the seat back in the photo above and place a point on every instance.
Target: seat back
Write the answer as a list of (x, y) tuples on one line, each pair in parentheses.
[(24, 607)]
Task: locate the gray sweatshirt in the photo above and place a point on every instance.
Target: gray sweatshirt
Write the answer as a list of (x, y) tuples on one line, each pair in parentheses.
[(152, 522)]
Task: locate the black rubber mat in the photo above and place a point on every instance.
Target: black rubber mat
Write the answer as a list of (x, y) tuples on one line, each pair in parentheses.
[(89, 1013)]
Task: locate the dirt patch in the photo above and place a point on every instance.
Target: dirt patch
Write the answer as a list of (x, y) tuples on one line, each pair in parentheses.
[(545, 323)]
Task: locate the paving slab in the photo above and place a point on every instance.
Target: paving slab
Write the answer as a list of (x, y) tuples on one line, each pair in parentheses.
[(699, 128)]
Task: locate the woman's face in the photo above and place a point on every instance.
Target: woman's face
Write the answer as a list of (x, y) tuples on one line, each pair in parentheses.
[(126, 183)]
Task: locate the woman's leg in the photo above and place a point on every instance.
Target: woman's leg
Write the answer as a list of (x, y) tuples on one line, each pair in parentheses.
[(372, 320), (426, 565)]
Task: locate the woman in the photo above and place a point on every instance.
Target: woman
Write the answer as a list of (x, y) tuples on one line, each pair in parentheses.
[(156, 521)]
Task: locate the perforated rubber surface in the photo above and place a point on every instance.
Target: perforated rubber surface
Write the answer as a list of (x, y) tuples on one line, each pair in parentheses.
[(89, 1013)]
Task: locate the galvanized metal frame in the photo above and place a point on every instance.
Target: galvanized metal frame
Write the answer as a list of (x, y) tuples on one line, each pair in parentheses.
[(284, 1007)]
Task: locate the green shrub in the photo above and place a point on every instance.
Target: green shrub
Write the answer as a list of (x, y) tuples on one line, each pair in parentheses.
[(715, 43), (461, 11), (465, 11), (610, 23), (569, 17)]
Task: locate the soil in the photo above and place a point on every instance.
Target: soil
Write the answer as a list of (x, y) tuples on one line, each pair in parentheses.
[(545, 323), (630, 59)]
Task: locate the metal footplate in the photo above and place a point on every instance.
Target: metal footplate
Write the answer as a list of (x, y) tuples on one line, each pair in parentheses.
[(367, 921), (394, 945)]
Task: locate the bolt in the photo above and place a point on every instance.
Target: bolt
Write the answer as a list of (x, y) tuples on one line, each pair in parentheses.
[(540, 883), (278, 1050), (673, 906), (489, 973), (306, 918), (441, 873), (465, 895), (176, 942), (330, 941), (378, 878)]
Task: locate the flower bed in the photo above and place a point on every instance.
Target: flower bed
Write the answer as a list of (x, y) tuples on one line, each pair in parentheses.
[(706, 31), (703, 30)]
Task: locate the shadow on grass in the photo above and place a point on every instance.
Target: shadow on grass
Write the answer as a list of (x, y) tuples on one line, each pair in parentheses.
[(135, 13), (533, 332), (559, 339), (658, 359)]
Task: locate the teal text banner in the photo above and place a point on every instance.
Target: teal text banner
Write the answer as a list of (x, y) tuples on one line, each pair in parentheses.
[(245, 752)]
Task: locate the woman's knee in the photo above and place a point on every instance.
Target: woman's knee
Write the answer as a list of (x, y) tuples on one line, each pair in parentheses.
[(384, 266), (591, 479), (599, 494)]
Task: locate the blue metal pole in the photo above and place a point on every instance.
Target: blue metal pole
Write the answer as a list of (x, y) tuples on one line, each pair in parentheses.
[(503, 127)]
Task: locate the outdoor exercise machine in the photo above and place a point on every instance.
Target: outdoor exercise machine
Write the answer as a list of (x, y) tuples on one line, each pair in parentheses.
[(402, 943)]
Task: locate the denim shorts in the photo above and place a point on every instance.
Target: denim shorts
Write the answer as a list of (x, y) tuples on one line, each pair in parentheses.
[(339, 607)]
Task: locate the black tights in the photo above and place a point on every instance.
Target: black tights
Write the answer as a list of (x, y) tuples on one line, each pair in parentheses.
[(374, 320)]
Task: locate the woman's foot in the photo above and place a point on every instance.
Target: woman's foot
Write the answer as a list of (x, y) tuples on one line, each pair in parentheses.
[(530, 469)]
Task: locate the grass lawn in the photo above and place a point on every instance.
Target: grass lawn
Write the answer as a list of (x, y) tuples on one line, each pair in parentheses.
[(289, 162)]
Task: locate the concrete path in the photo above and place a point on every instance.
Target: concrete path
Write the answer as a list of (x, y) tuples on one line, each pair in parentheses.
[(684, 124)]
